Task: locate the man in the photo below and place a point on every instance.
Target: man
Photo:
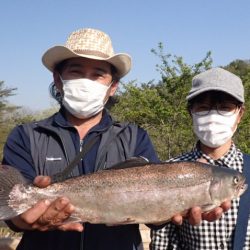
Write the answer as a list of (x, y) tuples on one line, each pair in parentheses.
[(216, 106), (86, 73)]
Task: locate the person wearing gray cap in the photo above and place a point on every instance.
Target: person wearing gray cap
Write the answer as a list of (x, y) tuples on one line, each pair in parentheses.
[(216, 106)]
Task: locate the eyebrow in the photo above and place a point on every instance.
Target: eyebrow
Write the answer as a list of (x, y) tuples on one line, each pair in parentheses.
[(101, 69), (77, 65)]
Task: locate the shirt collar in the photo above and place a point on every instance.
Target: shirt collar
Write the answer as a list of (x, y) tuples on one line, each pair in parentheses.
[(106, 121), (226, 160)]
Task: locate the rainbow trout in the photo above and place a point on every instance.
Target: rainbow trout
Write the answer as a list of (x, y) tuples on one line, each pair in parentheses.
[(151, 193)]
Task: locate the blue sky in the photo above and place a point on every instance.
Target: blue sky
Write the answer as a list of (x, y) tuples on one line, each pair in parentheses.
[(186, 28)]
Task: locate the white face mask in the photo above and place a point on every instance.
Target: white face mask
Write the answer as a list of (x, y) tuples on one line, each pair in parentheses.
[(213, 130), (84, 98)]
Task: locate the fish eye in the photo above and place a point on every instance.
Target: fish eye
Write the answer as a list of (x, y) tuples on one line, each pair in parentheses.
[(236, 180)]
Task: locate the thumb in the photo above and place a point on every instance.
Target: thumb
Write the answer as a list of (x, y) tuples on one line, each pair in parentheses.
[(42, 181), (202, 160)]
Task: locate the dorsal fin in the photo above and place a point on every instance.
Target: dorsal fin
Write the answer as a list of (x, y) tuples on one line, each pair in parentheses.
[(131, 162)]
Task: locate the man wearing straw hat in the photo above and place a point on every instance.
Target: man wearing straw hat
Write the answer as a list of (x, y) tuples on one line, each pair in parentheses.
[(86, 73)]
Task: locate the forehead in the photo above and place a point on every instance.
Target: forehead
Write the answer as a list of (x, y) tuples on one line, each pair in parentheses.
[(214, 96), (87, 64)]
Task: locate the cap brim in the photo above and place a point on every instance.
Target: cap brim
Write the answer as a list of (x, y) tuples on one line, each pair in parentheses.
[(196, 93), (57, 54)]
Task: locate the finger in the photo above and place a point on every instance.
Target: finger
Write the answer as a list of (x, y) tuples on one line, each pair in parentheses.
[(58, 211), (213, 215), (63, 214), (42, 181), (71, 227), (226, 205), (177, 219), (203, 160), (64, 227), (32, 214), (195, 216)]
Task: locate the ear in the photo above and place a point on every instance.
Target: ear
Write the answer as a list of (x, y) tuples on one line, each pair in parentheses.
[(241, 113), (57, 80), (113, 88)]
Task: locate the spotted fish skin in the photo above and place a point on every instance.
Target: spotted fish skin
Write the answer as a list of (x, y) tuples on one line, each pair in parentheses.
[(151, 193)]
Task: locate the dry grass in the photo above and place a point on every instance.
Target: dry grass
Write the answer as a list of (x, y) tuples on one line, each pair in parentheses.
[(5, 232), (8, 239)]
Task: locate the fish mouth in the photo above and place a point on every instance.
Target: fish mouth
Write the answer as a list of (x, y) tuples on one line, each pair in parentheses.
[(242, 188)]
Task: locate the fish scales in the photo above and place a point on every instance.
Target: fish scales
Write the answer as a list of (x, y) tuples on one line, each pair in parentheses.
[(145, 194), (139, 178)]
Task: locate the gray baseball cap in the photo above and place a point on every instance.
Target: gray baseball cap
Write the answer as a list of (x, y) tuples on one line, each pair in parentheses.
[(217, 79)]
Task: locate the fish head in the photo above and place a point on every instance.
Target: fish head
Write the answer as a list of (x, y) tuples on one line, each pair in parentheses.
[(226, 184)]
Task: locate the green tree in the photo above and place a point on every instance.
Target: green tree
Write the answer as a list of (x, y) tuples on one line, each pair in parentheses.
[(242, 69), (161, 108), (5, 112)]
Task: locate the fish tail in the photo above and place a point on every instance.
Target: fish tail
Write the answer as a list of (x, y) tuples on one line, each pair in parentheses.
[(9, 177)]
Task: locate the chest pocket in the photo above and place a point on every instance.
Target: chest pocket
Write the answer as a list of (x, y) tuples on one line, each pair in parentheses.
[(50, 152), (53, 149), (117, 144)]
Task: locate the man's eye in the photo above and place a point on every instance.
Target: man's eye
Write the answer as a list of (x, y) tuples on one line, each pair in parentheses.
[(74, 72), (99, 75), (203, 107), (226, 107)]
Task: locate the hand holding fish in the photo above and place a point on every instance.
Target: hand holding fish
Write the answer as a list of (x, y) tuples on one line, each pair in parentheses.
[(149, 194), (195, 214), (216, 213), (46, 215)]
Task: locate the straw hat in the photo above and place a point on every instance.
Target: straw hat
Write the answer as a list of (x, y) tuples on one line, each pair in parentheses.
[(88, 43)]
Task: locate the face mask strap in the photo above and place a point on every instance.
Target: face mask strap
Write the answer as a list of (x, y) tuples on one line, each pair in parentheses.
[(107, 96)]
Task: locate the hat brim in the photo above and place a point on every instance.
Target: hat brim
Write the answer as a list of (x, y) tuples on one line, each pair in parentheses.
[(57, 54), (196, 93)]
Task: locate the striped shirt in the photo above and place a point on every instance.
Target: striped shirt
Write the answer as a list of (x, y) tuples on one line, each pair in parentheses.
[(208, 235)]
